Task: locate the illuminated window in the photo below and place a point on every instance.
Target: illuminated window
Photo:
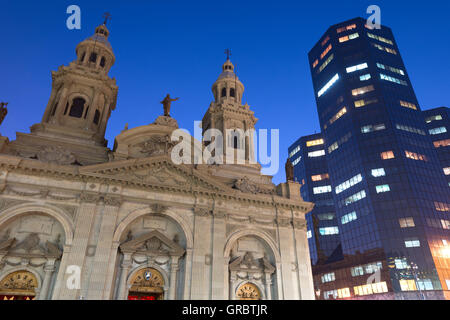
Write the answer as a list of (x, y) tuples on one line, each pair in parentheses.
[(320, 177), (392, 79), (441, 206), (341, 141), (338, 115), (328, 85), (446, 171), (401, 263), (328, 277), (324, 41), (293, 152), (357, 271), (366, 269), (372, 128), (349, 217), (378, 172), (360, 66), (343, 293), (412, 243), (324, 53), (442, 143), (408, 105), (315, 63), (314, 142), (326, 216), (364, 77), (383, 188), (406, 222), (410, 129), (322, 189), (323, 65), (296, 161), (387, 155), (373, 36), (317, 153), (363, 102), (328, 231), (445, 224), (349, 183), (389, 50), (354, 198), (362, 90), (346, 28), (366, 289), (408, 285), (438, 130), (415, 156), (392, 69), (349, 37), (333, 147), (433, 118), (309, 234)]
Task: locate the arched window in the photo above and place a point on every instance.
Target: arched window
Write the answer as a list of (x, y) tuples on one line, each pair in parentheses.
[(77, 108), (232, 92), (235, 142), (82, 57), (96, 116), (102, 62), (224, 92), (93, 57)]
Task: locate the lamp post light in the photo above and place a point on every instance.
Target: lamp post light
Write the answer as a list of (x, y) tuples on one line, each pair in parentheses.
[(414, 267)]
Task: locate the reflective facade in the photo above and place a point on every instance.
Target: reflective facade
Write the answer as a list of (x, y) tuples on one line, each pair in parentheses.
[(390, 194)]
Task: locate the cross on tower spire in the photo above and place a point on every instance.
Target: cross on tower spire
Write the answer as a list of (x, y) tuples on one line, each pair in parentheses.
[(107, 17), (228, 53)]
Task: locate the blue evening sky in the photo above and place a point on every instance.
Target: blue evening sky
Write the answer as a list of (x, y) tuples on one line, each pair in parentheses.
[(176, 47)]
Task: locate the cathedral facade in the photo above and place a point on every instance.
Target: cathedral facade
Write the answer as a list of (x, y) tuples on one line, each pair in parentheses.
[(81, 221)]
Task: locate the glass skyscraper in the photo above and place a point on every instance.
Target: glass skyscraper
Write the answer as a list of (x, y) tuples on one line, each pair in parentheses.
[(390, 195)]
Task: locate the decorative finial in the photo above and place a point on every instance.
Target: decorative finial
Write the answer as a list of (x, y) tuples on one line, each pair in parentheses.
[(107, 17), (3, 111), (228, 53)]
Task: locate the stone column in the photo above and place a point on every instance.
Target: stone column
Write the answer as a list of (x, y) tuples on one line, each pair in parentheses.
[(268, 286), (218, 266), (187, 276), (125, 269), (48, 269), (77, 254), (61, 105), (201, 270), (173, 278)]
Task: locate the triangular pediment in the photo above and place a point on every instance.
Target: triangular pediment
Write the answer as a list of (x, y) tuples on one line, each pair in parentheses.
[(154, 171), (152, 243)]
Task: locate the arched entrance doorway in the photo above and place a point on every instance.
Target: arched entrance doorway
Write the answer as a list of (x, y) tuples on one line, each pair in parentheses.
[(147, 284), (248, 291), (19, 285)]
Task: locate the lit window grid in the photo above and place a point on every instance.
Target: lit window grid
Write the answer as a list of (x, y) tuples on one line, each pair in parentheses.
[(357, 67), (437, 130), (349, 217), (392, 79), (317, 153), (328, 85), (378, 172), (383, 188), (348, 184), (379, 38)]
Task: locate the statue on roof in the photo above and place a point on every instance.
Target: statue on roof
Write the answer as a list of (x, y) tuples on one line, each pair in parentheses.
[(167, 103), (3, 111)]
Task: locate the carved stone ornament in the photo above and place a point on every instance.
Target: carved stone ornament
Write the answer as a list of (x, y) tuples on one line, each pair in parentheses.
[(152, 244), (247, 263), (54, 154), (156, 145), (90, 198), (158, 208), (166, 121), (30, 248), (299, 223), (246, 186), (202, 212), (113, 201), (284, 222)]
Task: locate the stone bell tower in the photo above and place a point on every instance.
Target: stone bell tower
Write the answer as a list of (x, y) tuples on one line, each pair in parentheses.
[(80, 104), (233, 119)]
